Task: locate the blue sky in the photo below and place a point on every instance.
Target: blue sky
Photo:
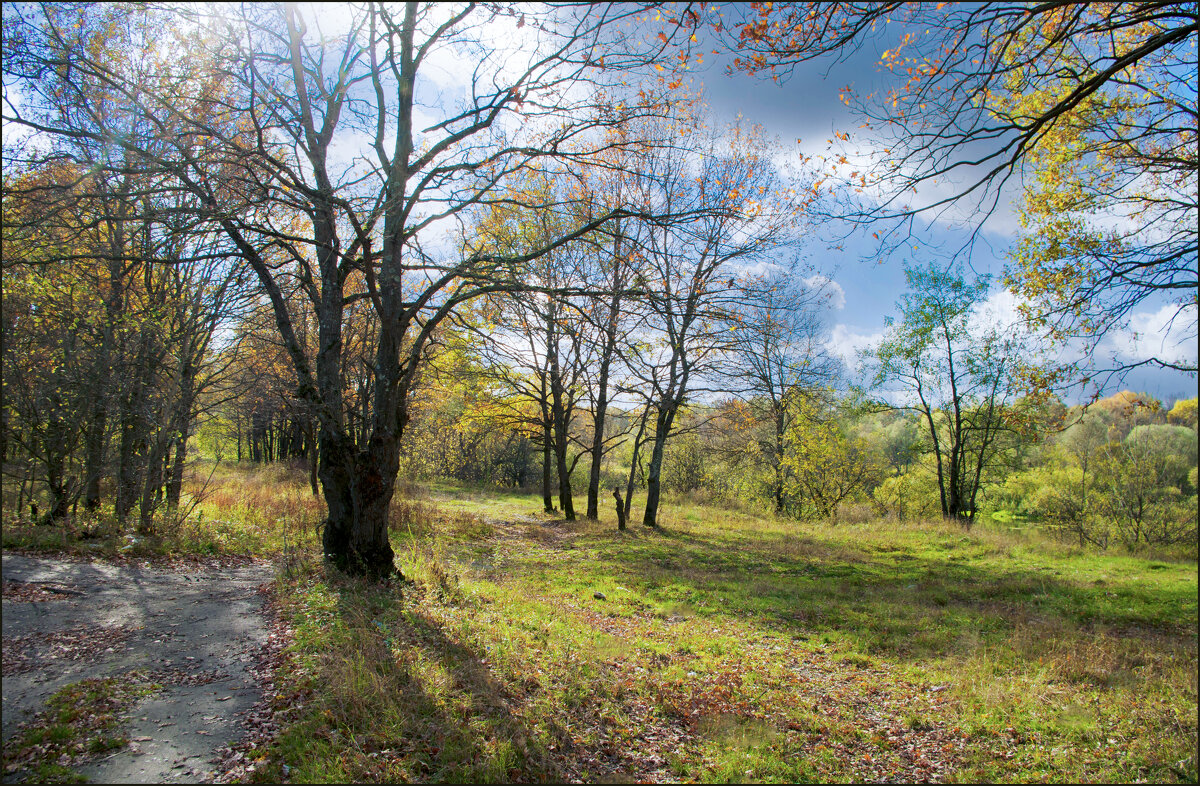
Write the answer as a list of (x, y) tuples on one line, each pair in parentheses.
[(807, 106)]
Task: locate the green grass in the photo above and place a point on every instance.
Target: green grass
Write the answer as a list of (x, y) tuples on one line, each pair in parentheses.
[(731, 646), (728, 646)]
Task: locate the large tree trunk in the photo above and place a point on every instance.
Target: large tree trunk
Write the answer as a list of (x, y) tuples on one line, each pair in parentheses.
[(358, 488), (593, 492), (114, 306), (662, 427)]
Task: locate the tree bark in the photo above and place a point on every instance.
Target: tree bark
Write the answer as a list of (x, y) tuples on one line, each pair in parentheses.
[(666, 416), (562, 421), (547, 466), (133, 432)]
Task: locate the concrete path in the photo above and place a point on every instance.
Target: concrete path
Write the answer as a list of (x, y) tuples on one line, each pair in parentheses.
[(193, 628)]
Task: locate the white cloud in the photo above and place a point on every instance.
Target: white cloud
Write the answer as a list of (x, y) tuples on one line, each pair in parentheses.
[(830, 288), (1168, 334), (846, 343), (999, 311), (838, 163)]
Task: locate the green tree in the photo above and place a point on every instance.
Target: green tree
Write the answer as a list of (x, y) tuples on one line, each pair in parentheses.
[(823, 464), (940, 361)]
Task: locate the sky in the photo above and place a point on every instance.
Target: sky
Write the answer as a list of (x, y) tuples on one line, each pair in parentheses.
[(806, 106)]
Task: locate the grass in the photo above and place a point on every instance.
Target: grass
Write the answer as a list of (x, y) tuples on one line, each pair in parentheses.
[(731, 646), (727, 646), (239, 510), (82, 720)]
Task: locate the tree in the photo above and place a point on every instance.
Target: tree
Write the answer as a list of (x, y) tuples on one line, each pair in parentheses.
[(535, 340), (260, 150), (163, 282), (690, 270), (1094, 105), (823, 465), (780, 355), (939, 362), (1183, 413), (609, 259)]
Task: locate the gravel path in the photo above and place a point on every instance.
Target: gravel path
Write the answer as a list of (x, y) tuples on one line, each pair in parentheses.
[(194, 628)]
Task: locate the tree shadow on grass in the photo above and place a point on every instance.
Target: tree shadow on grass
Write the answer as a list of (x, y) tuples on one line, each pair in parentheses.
[(410, 687), (895, 603)]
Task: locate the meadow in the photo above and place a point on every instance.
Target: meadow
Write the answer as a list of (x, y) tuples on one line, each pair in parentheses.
[(724, 646)]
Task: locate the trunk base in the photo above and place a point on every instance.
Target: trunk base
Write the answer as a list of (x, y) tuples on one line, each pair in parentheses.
[(376, 561)]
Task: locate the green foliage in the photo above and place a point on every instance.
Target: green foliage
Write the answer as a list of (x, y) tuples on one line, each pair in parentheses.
[(1095, 488), (913, 495), (946, 360), (825, 465)]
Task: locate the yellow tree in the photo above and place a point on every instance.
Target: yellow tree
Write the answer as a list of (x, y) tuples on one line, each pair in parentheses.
[(822, 466)]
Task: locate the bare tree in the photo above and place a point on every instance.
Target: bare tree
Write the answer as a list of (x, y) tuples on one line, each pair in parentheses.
[(780, 354), (262, 148), (690, 271)]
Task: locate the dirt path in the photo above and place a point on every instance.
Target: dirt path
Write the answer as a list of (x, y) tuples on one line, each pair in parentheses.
[(193, 628)]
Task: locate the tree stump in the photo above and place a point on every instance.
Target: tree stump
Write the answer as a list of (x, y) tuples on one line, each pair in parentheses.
[(620, 509)]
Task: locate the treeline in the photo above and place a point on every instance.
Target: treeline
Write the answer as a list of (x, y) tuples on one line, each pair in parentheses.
[(1118, 470), (298, 235), (112, 306)]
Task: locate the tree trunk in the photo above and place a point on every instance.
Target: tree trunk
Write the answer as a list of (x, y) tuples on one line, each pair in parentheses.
[(593, 492), (562, 420), (58, 486), (653, 486), (547, 449), (633, 461), (780, 429), (151, 485), (311, 444), (133, 434), (358, 490), (620, 509), (94, 453), (175, 484), (610, 343), (183, 426), (564, 479)]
